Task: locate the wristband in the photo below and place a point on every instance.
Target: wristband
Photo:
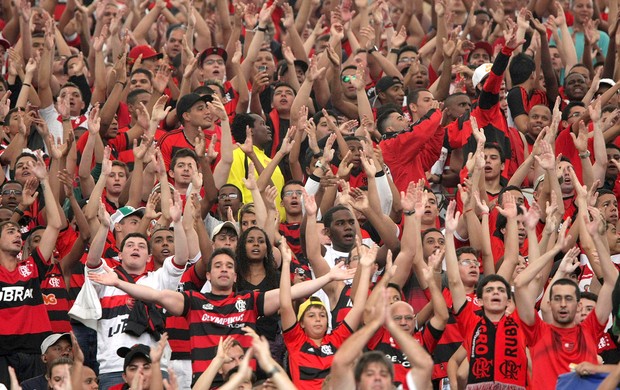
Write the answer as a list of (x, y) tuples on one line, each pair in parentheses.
[(388, 25), (121, 83), (373, 49), (259, 28), (585, 154), (409, 212), (18, 211), (394, 51), (272, 372), (27, 84)]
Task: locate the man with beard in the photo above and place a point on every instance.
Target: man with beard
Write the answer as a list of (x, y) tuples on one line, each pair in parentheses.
[(555, 345)]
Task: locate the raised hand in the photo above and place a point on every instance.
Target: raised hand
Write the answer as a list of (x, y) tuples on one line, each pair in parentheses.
[(570, 261), (150, 212), (29, 192), (531, 216), (433, 266), (158, 350), (344, 169), (247, 147), (103, 216), (310, 204), (250, 182), (38, 168), (546, 159), (509, 209), (359, 200), (176, 209), (581, 140), (595, 222), (338, 273), (452, 217)]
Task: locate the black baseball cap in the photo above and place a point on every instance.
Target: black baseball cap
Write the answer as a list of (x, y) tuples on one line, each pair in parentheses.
[(186, 102), (210, 51), (386, 83), (131, 353)]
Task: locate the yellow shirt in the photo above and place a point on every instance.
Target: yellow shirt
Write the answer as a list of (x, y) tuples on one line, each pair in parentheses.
[(238, 173)]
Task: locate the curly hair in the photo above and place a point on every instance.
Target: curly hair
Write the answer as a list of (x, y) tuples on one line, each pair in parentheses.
[(272, 279)]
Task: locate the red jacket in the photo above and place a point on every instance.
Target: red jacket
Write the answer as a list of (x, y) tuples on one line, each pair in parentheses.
[(410, 154)]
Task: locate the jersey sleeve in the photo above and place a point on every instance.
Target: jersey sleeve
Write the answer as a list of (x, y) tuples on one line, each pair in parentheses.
[(294, 337), (534, 332), (430, 337), (515, 103)]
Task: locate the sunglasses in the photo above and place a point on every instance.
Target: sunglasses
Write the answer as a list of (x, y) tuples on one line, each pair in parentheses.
[(347, 79)]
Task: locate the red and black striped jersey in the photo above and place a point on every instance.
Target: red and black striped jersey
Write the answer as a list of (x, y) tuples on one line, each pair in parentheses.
[(342, 307), (177, 326), (451, 339), (21, 301), (309, 363), (56, 299), (212, 316), (382, 341)]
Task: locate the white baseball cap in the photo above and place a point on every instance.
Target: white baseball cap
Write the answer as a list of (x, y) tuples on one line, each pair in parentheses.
[(481, 73)]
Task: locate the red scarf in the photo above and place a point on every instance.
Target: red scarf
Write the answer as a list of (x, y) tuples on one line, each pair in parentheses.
[(498, 353)]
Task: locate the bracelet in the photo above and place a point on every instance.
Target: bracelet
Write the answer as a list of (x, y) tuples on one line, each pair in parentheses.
[(467, 211), (437, 272), (373, 49), (388, 25), (394, 51), (27, 84), (259, 28), (585, 154), (121, 83), (66, 119), (409, 212), (18, 211)]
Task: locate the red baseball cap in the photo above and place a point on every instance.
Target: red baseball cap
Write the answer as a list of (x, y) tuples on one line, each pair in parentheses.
[(212, 51), (147, 53)]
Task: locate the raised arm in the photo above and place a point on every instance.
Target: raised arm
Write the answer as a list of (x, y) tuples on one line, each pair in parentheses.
[(525, 299), (454, 277), (52, 215), (287, 313)]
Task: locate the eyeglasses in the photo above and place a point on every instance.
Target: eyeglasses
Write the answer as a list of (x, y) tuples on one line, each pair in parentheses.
[(291, 192), (211, 62), (228, 196), (469, 263), (12, 192), (347, 79), (407, 60), (400, 318)]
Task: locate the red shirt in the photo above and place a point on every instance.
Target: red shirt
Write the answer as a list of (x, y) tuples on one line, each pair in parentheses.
[(170, 143), (553, 349), (309, 363)]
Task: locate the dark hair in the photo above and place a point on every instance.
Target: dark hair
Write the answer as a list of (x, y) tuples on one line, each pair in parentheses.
[(118, 163), (10, 182), (430, 230), (174, 27), (466, 249), (234, 370), (347, 68), (397, 287), (184, 152), (238, 125), (565, 282), (501, 224), (144, 71), (214, 83), (406, 49), (328, 218), (369, 358), (500, 196), (569, 106), (319, 115), (495, 145), (609, 108), (65, 65), (412, 96), (25, 154), (239, 193), (290, 183), (139, 235), (589, 295), (272, 278), (132, 96), (488, 279), (282, 84), (70, 85), (221, 251), (7, 118), (521, 68), (384, 117), (612, 146)]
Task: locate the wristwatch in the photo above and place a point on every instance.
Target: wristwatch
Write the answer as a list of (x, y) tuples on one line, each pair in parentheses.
[(319, 164), (585, 154)]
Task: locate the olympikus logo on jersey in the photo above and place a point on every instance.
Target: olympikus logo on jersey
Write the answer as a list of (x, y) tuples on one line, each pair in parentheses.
[(222, 321), (15, 294)]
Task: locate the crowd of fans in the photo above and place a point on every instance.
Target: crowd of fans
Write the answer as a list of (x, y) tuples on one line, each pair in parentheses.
[(371, 194)]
